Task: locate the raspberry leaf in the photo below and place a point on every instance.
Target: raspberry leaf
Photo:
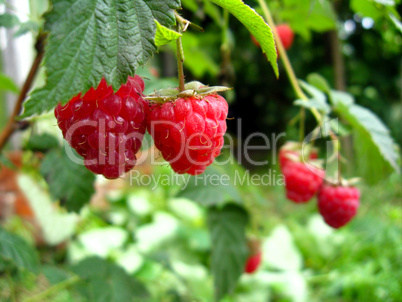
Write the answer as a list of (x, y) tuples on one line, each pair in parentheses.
[(93, 39), (164, 35), (318, 99), (9, 20), (314, 103), (105, 281), (376, 153), (41, 142), (5, 162), (313, 92), (210, 188), (255, 24), (8, 84), (17, 252), (319, 82), (229, 247), (68, 181)]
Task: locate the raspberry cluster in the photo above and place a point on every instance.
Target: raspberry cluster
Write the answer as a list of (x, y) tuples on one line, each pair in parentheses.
[(337, 203), (189, 131), (106, 128)]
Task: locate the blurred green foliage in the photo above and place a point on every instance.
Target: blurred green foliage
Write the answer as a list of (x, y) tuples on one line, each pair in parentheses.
[(164, 244)]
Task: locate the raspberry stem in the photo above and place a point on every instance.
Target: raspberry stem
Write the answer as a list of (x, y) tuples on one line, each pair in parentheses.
[(284, 57), (180, 60), (295, 84), (12, 121), (180, 54)]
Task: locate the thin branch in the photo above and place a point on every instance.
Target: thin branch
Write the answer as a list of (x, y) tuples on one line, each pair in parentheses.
[(12, 122), (284, 57), (180, 60)]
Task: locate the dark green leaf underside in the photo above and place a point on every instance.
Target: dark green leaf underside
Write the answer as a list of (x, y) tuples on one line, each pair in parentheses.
[(209, 189), (229, 248), (15, 250), (68, 181), (105, 281)]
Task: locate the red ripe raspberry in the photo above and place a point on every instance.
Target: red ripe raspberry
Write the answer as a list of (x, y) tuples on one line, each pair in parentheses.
[(292, 151), (189, 131), (338, 204), (253, 262), (106, 128), (302, 180), (286, 35)]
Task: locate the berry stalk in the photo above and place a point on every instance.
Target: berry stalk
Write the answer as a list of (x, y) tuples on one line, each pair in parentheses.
[(11, 124), (284, 57), (293, 80), (180, 55)]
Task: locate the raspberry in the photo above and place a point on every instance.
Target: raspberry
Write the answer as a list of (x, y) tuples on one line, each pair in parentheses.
[(286, 35), (255, 255), (106, 128), (189, 131), (253, 262), (302, 182), (338, 204), (292, 151)]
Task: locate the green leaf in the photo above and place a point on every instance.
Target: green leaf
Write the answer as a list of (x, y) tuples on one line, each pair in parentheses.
[(341, 98), (306, 16), (29, 26), (314, 103), (229, 248), (15, 250), (366, 8), (396, 21), (210, 188), (339, 128), (68, 181), (6, 162), (197, 59), (7, 84), (376, 152), (313, 92), (164, 35), (93, 39), (208, 8), (256, 26), (8, 20), (319, 82), (55, 274), (42, 142), (105, 281), (318, 100)]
